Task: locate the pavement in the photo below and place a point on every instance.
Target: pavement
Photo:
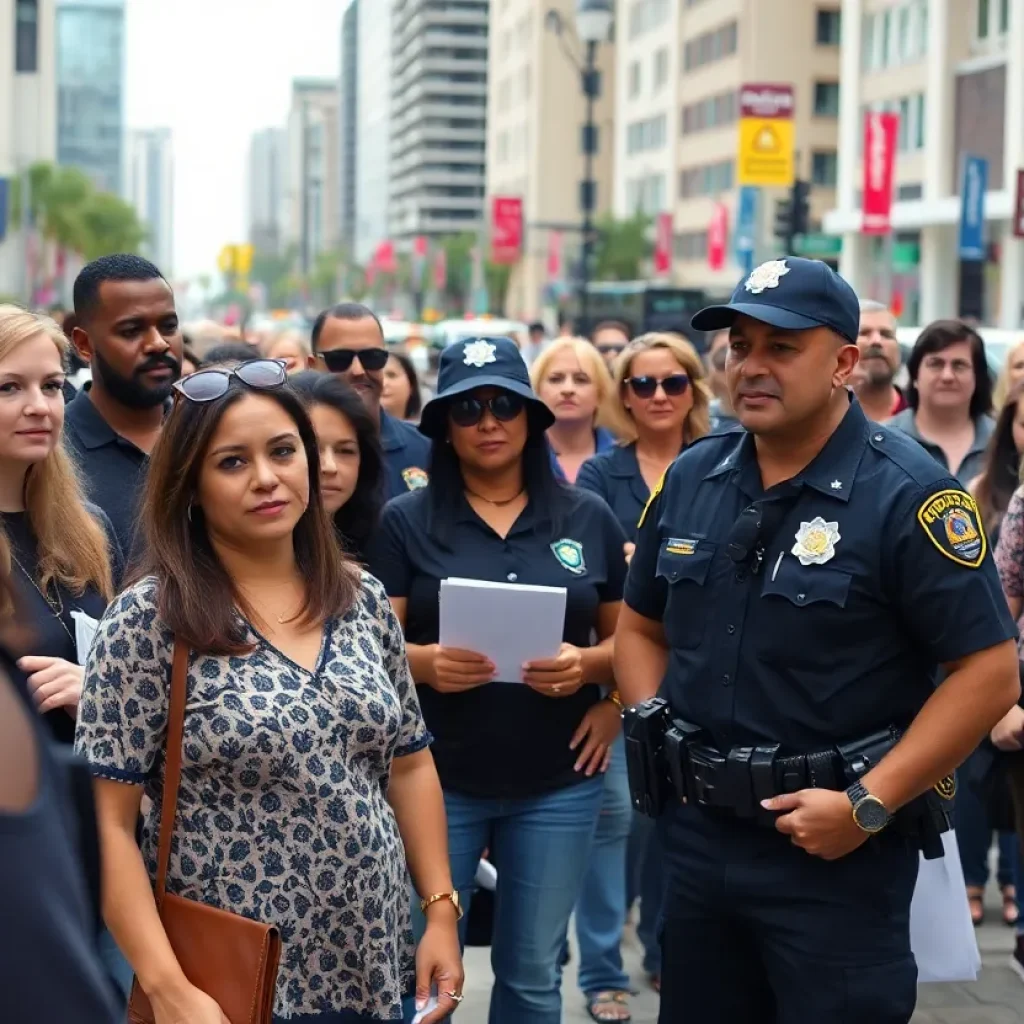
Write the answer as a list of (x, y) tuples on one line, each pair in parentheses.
[(997, 997)]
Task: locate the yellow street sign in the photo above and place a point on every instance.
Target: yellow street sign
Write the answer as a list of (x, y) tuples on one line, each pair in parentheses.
[(243, 258), (227, 259), (765, 155)]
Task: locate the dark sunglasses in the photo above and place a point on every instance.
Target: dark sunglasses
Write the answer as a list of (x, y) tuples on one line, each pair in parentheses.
[(646, 387), (610, 350), (339, 360), (468, 412), (209, 385)]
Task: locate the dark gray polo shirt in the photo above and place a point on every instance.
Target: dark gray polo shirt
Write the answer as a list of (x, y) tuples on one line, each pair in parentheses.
[(974, 460)]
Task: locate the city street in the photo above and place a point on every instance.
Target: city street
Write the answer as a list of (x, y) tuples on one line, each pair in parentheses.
[(996, 998)]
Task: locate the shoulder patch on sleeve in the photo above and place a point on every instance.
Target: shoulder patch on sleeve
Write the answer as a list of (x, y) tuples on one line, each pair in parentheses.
[(953, 524), (650, 501)]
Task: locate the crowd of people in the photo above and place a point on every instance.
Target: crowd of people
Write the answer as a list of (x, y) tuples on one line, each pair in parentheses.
[(282, 514)]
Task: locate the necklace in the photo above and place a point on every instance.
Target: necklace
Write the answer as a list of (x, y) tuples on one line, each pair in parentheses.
[(496, 502), (57, 610)]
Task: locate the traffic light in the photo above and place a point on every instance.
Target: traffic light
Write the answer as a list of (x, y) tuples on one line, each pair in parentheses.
[(783, 229), (792, 215)]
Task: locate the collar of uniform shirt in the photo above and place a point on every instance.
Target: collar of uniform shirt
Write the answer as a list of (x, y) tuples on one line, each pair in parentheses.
[(831, 472)]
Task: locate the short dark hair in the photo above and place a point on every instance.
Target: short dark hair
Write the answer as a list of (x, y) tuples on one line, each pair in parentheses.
[(937, 337), (357, 519), (197, 598), (231, 352), (343, 311), (415, 403), (537, 326), (612, 325), (120, 266)]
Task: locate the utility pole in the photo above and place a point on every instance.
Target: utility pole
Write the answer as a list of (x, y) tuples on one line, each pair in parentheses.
[(591, 81)]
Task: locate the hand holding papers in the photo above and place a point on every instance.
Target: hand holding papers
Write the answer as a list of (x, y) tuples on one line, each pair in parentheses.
[(509, 624)]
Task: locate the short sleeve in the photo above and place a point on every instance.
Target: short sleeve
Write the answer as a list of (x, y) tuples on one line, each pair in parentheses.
[(591, 479), (1010, 549), (614, 544), (122, 716), (944, 578), (413, 735), (387, 557), (646, 592)]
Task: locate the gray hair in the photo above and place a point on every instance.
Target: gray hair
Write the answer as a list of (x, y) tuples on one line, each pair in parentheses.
[(871, 306)]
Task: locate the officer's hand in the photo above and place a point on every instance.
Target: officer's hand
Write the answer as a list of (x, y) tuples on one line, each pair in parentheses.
[(560, 676), (628, 549), (1008, 733), (819, 821), (456, 670), (600, 726)]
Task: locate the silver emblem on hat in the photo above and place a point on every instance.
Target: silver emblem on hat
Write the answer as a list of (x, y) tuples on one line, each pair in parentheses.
[(767, 275), (479, 353)]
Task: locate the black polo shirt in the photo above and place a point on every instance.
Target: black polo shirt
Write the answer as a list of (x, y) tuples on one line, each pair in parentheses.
[(113, 469), (502, 739), (406, 455), (615, 475), (879, 573)]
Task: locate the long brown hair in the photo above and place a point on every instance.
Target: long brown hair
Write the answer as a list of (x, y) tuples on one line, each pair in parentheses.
[(1000, 476), (196, 596), (73, 550)]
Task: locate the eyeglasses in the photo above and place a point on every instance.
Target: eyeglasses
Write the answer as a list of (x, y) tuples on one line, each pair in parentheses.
[(646, 387), (468, 412), (610, 350), (209, 385), (339, 360)]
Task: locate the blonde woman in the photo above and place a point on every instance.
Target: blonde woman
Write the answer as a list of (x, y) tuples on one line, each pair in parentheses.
[(571, 379), (288, 347), (1010, 378)]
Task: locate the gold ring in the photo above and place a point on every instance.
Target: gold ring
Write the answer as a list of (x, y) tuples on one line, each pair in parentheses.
[(456, 997)]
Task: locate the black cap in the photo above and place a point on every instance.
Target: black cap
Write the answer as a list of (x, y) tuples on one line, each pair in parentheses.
[(792, 293), (481, 363)]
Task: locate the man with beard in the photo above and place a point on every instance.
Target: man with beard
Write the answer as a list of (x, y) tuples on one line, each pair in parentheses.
[(128, 333), (348, 341), (879, 363)]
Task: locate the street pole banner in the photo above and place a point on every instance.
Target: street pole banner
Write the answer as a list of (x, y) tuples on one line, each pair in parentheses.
[(506, 229), (1018, 207), (973, 185), (718, 236), (880, 133), (765, 155), (663, 245), (746, 228)]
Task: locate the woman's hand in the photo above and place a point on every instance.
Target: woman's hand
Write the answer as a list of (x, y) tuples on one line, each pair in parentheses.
[(456, 670), (560, 676), (187, 1005), (1008, 733), (53, 683), (439, 963), (600, 726)]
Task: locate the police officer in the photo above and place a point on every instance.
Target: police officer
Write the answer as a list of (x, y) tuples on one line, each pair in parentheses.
[(794, 590)]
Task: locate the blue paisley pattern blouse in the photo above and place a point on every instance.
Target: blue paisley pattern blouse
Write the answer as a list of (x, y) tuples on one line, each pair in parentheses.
[(282, 814)]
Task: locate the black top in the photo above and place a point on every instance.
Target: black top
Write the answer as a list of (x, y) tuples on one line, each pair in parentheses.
[(406, 455), (480, 736), (878, 573), (615, 475), (114, 469), (52, 633), (49, 970)]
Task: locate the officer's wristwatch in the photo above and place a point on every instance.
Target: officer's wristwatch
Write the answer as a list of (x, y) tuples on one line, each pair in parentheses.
[(868, 811)]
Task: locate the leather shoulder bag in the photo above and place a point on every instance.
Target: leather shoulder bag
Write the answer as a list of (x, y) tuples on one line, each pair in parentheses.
[(231, 958)]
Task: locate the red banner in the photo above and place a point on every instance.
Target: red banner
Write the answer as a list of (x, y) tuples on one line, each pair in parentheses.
[(440, 270), (554, 267), (506, 229), (880, 131), (419, 246), (663, 244), (718, 236), (384, 258)]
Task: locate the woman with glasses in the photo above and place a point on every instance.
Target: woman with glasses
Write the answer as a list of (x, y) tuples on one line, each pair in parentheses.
[(351, 464), (520, 759), (306, 780), (660, 406)]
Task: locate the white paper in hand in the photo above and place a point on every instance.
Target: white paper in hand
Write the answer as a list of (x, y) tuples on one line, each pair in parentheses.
[(426, 1011), (509, 623), (85, 632)]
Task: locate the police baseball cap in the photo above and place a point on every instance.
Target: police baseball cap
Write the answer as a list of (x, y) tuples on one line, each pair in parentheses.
[(792, 293)]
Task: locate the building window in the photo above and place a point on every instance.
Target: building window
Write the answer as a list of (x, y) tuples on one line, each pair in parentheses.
[(824, 167), (690, 245), (826, 99), (982, 22), (661, 67), (26, 36), (827, 28), (634, 79), (708, 180), (1004, 17), (712, 112), (710, 47)]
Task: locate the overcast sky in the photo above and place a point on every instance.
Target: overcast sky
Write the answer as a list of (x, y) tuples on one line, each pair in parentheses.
[(215, 71)]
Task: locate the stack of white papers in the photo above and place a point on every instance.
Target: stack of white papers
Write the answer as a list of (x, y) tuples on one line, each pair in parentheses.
[(509, 623)]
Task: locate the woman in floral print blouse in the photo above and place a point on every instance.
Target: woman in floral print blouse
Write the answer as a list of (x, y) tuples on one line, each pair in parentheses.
[(306, 779)]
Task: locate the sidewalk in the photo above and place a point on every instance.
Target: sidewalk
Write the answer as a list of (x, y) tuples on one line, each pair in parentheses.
[(996, 998)]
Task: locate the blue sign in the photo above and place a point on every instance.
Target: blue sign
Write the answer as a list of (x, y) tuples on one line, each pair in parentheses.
[(973, 185), (746, 227)]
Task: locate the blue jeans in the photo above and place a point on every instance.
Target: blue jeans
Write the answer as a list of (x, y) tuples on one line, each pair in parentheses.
[(538, 846), (646, 881), (974, 837), (601, 906)]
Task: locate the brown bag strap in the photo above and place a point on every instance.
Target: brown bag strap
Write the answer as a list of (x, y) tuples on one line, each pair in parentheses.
[(172, 767)]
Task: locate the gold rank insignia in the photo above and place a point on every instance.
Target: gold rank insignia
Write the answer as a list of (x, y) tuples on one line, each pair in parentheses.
[(946, 788), (650, 501), (953, 524)]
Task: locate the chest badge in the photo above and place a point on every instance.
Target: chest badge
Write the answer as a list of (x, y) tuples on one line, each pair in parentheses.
[(816, 541), (415, 478), (570, 556)]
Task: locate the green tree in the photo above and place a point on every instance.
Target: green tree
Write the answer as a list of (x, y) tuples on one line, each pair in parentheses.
[(111, 225), (622, 247)]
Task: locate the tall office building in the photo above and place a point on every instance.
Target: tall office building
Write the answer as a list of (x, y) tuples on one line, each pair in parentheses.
[(535, 115), (149, 187), (438, 118), (268, 164), (28, 119), (348, 116), (313, 180), (954, 72), (90, 89), (680, 67)]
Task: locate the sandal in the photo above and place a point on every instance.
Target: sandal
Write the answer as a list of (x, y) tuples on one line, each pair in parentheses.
[(1010, 913), (609, 1007), (976, 901)]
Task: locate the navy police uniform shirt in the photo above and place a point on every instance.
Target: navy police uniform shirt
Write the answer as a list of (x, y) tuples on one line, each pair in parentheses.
[(503, 739), (406, 455), (615, 475), (879, 573)]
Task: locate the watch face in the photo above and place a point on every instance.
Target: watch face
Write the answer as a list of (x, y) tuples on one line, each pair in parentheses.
[(871, 815)]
